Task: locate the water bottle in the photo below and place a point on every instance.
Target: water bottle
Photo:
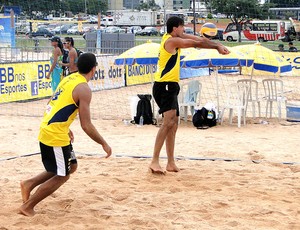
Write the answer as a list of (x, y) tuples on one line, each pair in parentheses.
[(210, 115), (141, 122)]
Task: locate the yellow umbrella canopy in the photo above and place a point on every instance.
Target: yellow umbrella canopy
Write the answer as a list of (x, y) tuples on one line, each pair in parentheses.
[(265, 59), (146, 54), (198, 58)]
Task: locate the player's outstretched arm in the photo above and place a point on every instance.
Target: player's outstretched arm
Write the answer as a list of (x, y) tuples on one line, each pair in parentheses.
[(199, 42), (84, 94)]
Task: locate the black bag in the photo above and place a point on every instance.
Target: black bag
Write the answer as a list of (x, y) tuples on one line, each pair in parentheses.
[(79, 52), (65, 60), (204, 118), (144, 109)]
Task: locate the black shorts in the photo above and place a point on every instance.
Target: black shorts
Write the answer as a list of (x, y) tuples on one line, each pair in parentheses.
[(165, 95), (58, 160)]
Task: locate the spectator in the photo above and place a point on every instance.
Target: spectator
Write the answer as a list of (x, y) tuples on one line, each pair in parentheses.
[(73, 57), (55, 69), (281, 47), (292, 47)]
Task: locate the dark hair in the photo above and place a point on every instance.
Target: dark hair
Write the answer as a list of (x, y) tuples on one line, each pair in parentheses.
[(70, 39), (174, 21), (60, 45), (291, 43), (86, 62)]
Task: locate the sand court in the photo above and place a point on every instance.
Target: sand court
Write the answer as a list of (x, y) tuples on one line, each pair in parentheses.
[(256, 188), (230, 178)]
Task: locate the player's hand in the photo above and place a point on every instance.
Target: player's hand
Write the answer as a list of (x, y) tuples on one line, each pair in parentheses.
[(223, 49), (48, 76), (107, 149)]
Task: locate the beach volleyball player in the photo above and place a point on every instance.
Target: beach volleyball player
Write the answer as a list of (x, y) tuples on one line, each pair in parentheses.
[(72, 96), (166, 85)]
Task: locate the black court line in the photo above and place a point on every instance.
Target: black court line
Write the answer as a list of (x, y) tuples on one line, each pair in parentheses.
[(15, 157), (162, 157)]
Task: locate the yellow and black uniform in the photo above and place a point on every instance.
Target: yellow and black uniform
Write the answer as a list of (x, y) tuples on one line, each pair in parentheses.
[(166, 87), (168, 64), (54, 129)]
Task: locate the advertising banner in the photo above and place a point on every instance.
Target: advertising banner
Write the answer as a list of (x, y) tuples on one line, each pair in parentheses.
[(139, 74), (24, 81), (108, 75), (27, 81), (7, 32)]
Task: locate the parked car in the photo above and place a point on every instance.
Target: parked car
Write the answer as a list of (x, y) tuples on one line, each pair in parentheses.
[(42, 32), (134, 29), (219, 35), (62, 29), (74, 30), (93, 20), (187, 30), (162, 30), (148, 31), (113, 29)]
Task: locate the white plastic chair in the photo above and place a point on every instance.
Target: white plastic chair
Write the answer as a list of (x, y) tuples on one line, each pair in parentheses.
[(253, 95), (237, 96), (189, 96), (273, 89)]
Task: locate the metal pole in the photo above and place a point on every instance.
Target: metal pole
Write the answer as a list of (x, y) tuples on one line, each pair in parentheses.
[(194, 17), (165, 16)]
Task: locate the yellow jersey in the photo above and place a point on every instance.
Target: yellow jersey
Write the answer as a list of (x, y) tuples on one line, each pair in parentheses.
[(60, 113), (168, 64)]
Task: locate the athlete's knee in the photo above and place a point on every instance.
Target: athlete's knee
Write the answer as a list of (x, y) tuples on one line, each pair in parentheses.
[(62, 179)]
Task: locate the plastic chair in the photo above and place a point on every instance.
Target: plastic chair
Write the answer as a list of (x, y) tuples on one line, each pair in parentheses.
[(237, 96), (189, 96), (273, 89), (253, 94)]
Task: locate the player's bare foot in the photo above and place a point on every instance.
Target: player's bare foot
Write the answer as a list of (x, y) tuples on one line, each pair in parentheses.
[(25, 212), (156, 169), (24, 191), (171, 167)]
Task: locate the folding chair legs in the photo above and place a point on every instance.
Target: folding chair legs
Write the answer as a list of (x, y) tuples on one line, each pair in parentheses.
[(241, 114), (269, 108), (185, 108)]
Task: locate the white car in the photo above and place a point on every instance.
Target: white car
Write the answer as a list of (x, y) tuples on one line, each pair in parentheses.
[(74, 30), (134, 29), (114, 29)]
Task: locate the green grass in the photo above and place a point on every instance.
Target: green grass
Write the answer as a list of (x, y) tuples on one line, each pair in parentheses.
[(23, 41)]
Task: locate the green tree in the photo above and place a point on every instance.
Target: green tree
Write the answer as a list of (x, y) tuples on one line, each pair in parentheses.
[(150, 5), (239, 10), (78, 6), (35, 8), (42, 8)]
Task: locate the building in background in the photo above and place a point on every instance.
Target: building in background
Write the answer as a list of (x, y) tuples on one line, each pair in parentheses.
[(199, 6), (115, 4), (131, 4)]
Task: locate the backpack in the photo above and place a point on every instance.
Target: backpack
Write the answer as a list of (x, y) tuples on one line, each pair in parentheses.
[(144, 109), (79, 52), (65, 60), (65, 56), (204, 118)]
